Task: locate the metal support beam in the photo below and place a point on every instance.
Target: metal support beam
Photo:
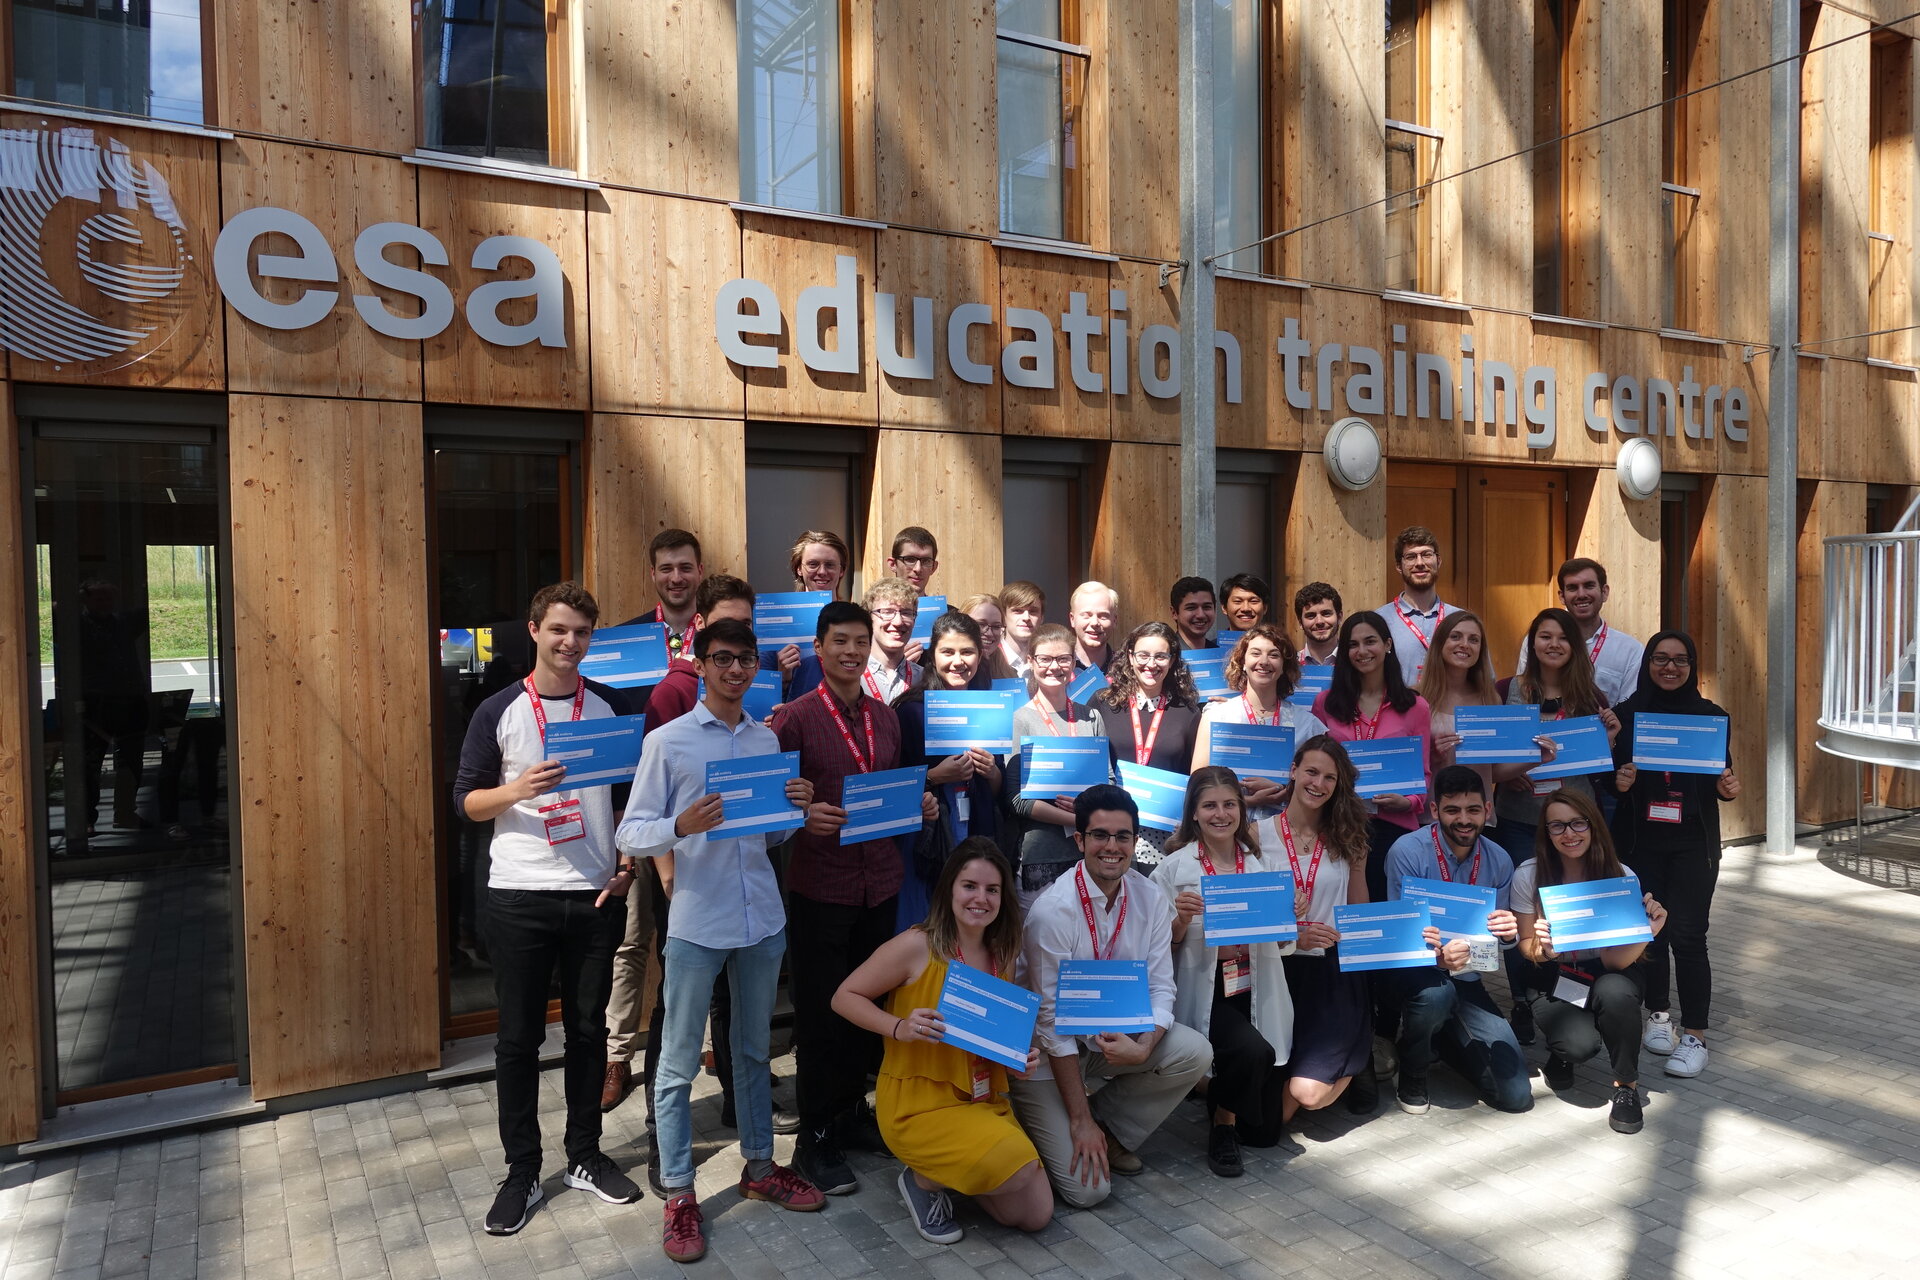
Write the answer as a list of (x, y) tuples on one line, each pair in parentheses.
[(1197, 396), (1783, 429)]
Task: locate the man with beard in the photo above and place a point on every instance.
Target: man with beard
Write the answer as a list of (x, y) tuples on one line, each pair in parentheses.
[(1414, 614), (1615, 654)]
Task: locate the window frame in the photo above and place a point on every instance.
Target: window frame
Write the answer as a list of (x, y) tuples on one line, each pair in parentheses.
[(565, 71), (844, 189), (209, 83), (1258, 468), (1075, 76), (771, 444), (1072, 460), (1426, 159)]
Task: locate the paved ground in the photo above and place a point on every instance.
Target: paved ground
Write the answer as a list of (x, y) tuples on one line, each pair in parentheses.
[(1797, 1153)]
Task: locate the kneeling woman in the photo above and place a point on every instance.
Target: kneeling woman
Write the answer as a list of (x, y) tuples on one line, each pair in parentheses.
[(942, 1110), (1322, 833), (1235, 995), (1583, 1000)]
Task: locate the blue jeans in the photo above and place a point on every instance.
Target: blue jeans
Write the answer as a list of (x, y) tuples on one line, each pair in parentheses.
[(687, 991), (1458, 1021)]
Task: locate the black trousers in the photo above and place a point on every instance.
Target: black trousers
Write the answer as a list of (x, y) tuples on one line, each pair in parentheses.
[(826, 941), (1683, 882), (530, 933), (1245, 1080), (1610, 1021)]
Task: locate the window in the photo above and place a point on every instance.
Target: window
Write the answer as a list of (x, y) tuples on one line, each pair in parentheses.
[(494, 80), (1041, 84), (1239, 132), (1551, 27), (1243, 514), (1890, 226), (1044, 510), (790, 104), (1681, 44), (1683, 512), (1413, 149), (140, 57), (796, 483)]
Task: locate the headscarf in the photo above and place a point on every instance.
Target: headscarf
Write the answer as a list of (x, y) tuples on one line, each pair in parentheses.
[(1686, 700)]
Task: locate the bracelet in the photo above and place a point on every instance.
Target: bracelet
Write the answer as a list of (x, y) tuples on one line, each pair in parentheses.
[(895, 1033)]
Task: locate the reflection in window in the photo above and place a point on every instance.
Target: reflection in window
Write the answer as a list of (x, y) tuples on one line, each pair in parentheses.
[(1412, 149), (790, 104), (486, 77), (140, 57), (1243, 526), (1041, 83), (1044, 543), (1238, 135), (786, 495)]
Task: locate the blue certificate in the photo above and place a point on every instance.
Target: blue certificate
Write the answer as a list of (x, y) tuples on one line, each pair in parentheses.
[(929, 608), (781, 618), (1208, 667), (961, 719), (1254, 907), (1680, 744), (1227, 639), (1052, 767), (1595, 913), (1497, 735), (597, 753), (625, 657), (1382, 935), (988, 1016), (1263, 751), (1456, 910), (1087, 683), (1160, 793), (882, 804), (1016, 683), (1102, 995), (1392, 766), (762, 696), (1583, 749), (753, 793), (1314, 681)]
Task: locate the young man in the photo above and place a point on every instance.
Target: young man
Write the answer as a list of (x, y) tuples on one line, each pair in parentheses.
[(1446, 1009), (717, 597), (1090, 612), (1247, 600), (1023, 605), (840, 897), (915, 557), (1318, 609), (893, 604), (1414, 614), (1616, 655), (555, 891), (725, 915), (1192, 603), (674, 555), (1102, 909)]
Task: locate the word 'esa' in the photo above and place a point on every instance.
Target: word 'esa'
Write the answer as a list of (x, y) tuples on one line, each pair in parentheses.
[(235, 266)]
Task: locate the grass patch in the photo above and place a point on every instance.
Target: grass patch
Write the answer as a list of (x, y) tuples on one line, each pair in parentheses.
[(177, 587)]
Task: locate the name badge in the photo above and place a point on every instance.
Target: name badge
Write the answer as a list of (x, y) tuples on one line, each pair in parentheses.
[(982, 1080), (565, 821), (1236, 975), (963, 808), (1572, 990), (1667, 810), (1545, 786)]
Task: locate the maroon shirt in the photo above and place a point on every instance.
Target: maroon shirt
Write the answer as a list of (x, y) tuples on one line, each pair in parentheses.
[(675, 695), (821, 868)]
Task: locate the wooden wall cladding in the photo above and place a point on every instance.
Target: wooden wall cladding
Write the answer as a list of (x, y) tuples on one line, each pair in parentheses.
[(937, 140), (1484, 103), (1623, 534), (463, 210), (1332, 83), (1138, 416), (1828, 509), (941, 482), (654, 265), (1835, 204), (1136, 530), (1133, 191), (19, 934), (336, 799), (1733, 643), (341, 193), (340, 72), (1256, 314), (793, 256), (182, 348), (645, 474), (1613, 174), (661, 105), (1335, 536), (1734, 129), (948, 270), (1045, 282)]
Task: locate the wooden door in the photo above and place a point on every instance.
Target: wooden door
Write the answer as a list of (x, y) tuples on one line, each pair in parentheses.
[(1516, 539), (1431, 495)]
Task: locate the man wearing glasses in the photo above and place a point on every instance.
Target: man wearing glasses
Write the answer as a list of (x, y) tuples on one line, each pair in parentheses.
[(1103, 910), (915, 557), (894, 605)]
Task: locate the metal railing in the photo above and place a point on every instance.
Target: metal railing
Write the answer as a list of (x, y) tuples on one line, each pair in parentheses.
[(1869, 710)]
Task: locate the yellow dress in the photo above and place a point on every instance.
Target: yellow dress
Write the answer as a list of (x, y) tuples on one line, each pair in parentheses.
[(924, 1102)]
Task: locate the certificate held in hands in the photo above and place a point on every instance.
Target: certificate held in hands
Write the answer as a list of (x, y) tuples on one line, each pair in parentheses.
[(1391, 766), (1094, 996), (1086, 684), (1159, 793), (1382, 935), (1680, 744), (1052, 767), (962, 719), (1583, 748), (1497, 735), (1595, 913), (753, 793), (782, 618), (627, 657), (1262, 751), (1456, 909), (1254, 906), (1208, 667), (929, 608), (597, 753), (988, 1016), (1315, 679), (882, 804)]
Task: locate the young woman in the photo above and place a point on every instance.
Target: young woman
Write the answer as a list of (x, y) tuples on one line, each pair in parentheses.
[(1151, 714), (967, 785), (1046, 826), (944, 1111), (1559, 680), (1322, 835), (1025, 607), (1369, 699), (985, 610), (1667, 828), (1235, 995), (1573, 847), (1263, 670)]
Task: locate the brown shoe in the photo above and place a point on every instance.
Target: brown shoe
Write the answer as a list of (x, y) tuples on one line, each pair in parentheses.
[(1120, 1160), (619, 1084)]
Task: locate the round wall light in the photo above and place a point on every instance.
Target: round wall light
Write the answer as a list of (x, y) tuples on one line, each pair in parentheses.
[(1639, 469), (1353, 453)]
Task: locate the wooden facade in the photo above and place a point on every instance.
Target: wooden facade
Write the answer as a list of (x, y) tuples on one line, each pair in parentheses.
[(320, 116)]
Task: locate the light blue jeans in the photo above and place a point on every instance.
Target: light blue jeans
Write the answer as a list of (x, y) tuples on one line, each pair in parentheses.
[(687, 990)]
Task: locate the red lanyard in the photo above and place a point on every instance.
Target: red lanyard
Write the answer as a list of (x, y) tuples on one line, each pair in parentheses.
[(1086, 909), (1293, 859), (1407, 622), (1598, 643), (540, 712), (1253, 717), (1143, 747), (1446, 866), (873, 686), (863, 763), (960, 954), (1239, 861), (677, 643), (1366, 729), (1046, 713)]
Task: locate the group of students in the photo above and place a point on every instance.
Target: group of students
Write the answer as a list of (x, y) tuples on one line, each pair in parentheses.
[(1013, 884)]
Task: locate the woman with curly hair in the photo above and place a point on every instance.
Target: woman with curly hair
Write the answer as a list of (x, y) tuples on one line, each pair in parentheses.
[(1151, 713), (1263, 670)]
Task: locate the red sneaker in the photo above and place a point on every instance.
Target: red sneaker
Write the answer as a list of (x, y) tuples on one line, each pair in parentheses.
[(681, 1236), (785, 1188)]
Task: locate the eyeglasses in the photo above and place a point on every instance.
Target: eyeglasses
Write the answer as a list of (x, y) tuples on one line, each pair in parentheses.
[(1050, 660), (1152, 659), (1097, 836), (1578, 826), (914, 562), (889, 615), (725, 661), (1664, 660)]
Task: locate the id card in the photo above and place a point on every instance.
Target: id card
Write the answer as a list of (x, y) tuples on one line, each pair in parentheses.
[(1572, 990), (1667, 810), (565, 821), (982, 1079), (1236, 975)]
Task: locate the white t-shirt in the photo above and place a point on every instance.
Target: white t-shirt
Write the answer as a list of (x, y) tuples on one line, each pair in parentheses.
[(1329, 882)]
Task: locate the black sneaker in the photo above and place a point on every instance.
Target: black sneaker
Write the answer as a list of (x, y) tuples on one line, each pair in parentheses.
[(817, 1158), (1559, 1073), (1363, 1095), (1522, 1021), (655, 1182), (599, 1174), (728, 1117), (1411, 1094), (785, 1121), (859, 1130), (1625, 1117), (1223, 1152), (514, 1205)]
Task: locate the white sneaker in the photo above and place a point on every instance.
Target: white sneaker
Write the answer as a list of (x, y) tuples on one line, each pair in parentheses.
[(1658, 1037), (1689, 1059)]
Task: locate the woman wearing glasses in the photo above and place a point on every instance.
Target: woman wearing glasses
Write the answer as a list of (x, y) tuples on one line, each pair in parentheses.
[(1667, 828), (1151, 714), (985, 610), (1046, 825)]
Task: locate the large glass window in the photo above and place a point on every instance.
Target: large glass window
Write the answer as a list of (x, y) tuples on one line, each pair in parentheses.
[(1412, 149), (789, 492), (790, 104), (141, 57), (1681, 43), (1041, 85), (1548, 157), (1243, 514), (494, 79), (1239, 135), (1044, 518)]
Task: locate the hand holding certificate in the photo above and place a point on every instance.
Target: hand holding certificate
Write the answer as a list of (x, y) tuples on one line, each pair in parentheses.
[(1096, 996), (596, 753), (1052, 767), (1595, 913), (1583, 749), (1253, 906), (1382, 935), (1254, 751), (1391, 766), (882, 804), (1497, 735), (753, 793), (1680, 744), (962, 719), (988, 1016)]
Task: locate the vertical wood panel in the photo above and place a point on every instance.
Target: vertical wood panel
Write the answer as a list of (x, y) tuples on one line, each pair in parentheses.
[(339, 72), (1136, 530), (1613, 174), (1136, 415), (941, 483), (1495, 204), (948, 270), (334, 746), (661, 101), (1739, 151), (1604, 524), (792, 257), (19, 933), (1337, 537), (647, 474), (1334, 87), (937, 137), (1734, 645), (1136, 54), (1835, 200), (1045, 282)]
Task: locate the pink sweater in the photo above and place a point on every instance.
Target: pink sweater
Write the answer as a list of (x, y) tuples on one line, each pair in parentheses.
[(1414, 722)]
